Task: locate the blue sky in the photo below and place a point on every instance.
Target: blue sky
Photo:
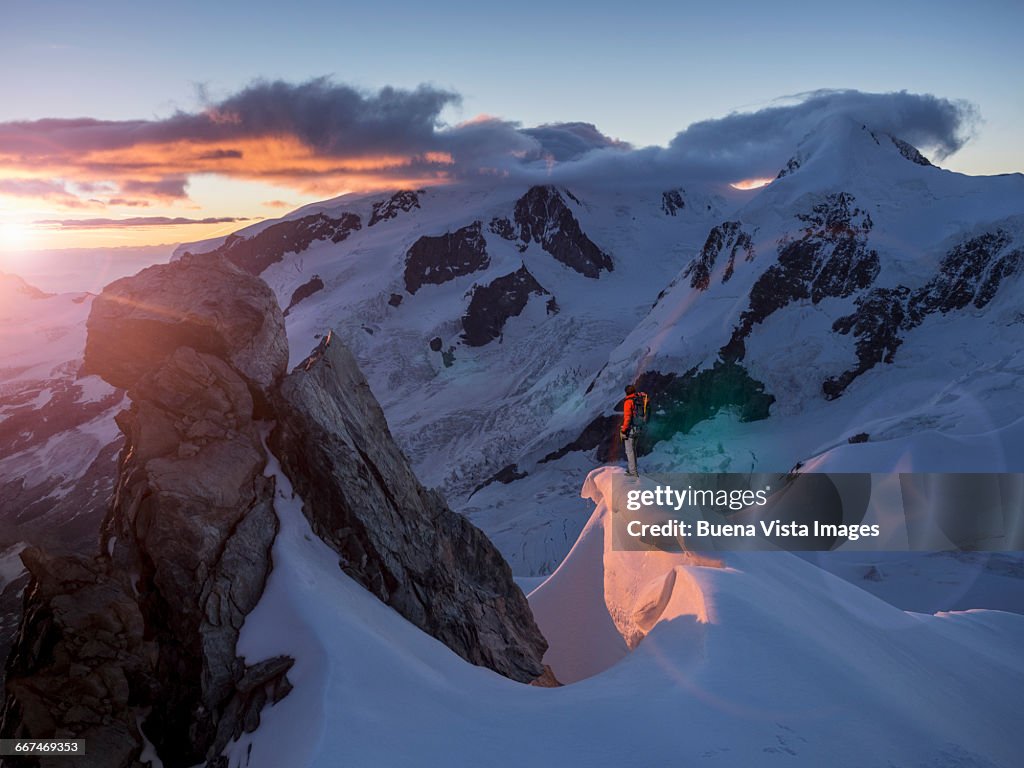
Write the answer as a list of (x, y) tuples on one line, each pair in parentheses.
[(640, 71)]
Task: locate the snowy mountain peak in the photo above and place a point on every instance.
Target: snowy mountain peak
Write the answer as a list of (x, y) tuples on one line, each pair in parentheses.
[(847, 144), (543, 216)]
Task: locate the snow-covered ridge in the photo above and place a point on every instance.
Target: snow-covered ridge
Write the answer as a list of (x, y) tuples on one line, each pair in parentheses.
[(739, 662)]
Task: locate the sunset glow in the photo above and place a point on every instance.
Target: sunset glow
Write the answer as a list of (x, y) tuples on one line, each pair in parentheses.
[(747, 184)]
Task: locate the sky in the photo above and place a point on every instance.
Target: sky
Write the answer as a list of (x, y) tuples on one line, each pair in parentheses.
[(140, 123)]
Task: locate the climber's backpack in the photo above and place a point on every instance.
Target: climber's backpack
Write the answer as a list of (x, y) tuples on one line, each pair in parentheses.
[(640, 413)]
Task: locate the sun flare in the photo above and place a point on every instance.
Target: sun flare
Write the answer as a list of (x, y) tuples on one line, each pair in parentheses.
[(15, 234)]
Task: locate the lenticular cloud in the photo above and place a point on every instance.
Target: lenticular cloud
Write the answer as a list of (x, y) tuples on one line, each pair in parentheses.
[(321, 135)]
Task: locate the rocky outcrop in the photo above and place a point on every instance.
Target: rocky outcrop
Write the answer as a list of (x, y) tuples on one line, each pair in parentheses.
[(910, 152), (792, 166), (398, 539), (203, 302), (542, 216), (403, 201), (194, 517), (502, 227), (254, 253), (970, 274), (726, 237), (82, 661), (436, 260), (139, 642), (831, 258), (304, 291), (148, 628), (493, 304), (672, 202), (877, 324)]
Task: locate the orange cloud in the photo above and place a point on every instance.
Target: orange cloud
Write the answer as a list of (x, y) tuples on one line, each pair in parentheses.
[(159, 170), (747, 184), (316, 137)]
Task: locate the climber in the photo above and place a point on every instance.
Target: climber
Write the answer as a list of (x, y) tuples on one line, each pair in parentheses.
[(634, 416)]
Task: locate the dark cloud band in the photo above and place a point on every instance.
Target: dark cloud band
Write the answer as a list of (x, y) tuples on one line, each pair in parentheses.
[(325, 135)]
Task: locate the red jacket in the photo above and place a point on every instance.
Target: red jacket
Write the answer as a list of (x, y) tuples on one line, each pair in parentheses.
[(632, 408)]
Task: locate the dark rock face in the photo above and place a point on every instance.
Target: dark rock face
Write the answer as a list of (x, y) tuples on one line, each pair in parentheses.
[(503, 228), (304, 291), (880, 317), (726, 237), (147, 629), (193, 522), (402, 201), (447, 355), (203, 302), (11, 599), (257, 252), (678, 403), (910, 152), (792, 165), (672, 202), (830, 259), (493, 304), (436, 260), (395, 300), (542, 216), (398, 539), (82, 661), (970, 274), (193, 515), (141, 638)]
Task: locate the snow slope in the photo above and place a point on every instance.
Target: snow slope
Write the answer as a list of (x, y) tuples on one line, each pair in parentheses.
[(762, 659), (57, 433)]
